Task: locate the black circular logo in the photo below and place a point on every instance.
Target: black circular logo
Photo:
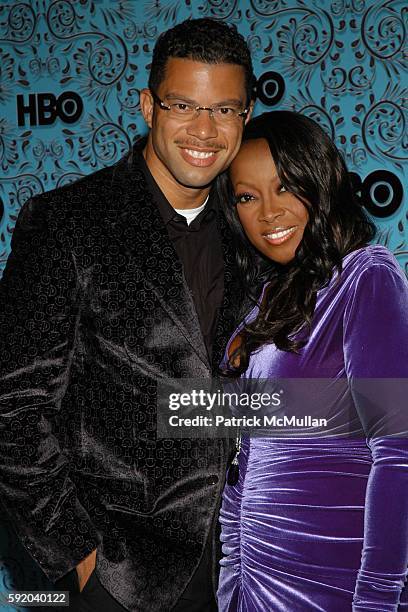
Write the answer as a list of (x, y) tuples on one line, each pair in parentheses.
[(381, 193), (270, 88), (69, 106)]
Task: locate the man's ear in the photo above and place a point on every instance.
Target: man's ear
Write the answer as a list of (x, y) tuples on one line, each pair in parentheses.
[(147, 105), (251, 108)]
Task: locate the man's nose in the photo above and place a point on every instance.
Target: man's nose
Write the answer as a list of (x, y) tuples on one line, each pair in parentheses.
[(203, 126)]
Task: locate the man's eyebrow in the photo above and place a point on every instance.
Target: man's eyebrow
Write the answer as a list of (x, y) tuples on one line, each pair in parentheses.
[(230, 102), (176, 96)]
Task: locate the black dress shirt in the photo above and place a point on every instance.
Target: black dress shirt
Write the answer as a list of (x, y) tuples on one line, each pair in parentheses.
[(199, 249)]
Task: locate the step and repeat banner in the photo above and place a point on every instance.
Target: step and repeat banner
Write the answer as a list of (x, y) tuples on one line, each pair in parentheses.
[(71, 72)]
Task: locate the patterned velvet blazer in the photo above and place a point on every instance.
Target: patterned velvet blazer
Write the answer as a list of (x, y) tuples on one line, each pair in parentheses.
[(94, 310)]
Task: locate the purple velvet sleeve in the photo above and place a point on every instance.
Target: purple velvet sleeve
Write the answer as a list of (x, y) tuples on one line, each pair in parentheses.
[(376, 347)]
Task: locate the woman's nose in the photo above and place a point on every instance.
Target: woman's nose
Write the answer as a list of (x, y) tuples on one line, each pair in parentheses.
[(270, 211)]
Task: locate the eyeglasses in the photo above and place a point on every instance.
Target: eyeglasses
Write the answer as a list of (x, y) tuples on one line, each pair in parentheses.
[(184, 110)]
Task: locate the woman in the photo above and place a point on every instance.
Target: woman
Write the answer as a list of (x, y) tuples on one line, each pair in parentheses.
[(314, 524)]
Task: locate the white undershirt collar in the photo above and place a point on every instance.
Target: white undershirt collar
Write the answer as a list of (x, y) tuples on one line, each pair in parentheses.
[(191, 213)]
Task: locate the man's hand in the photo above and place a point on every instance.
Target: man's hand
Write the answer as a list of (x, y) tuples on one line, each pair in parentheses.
[(85, 568)]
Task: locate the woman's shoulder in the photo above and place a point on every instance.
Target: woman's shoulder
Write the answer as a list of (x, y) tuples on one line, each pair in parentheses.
[(371, 266), (374, 258)]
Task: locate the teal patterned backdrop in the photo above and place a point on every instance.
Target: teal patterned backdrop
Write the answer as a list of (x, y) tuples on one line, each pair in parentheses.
[(71, 72)]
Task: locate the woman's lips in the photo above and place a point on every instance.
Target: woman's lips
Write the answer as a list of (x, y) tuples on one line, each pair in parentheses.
[(279, 235), (200, 158)]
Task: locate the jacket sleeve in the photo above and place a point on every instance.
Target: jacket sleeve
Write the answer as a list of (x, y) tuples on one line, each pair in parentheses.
[(376, 356), (39, 318)]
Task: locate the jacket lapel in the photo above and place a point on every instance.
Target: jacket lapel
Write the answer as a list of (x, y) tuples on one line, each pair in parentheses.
[(143, 234)]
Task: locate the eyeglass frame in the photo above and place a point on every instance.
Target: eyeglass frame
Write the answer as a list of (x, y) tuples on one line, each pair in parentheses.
[(196, 109)]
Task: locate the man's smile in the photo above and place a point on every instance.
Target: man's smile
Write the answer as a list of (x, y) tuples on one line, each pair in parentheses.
[(199, 157)]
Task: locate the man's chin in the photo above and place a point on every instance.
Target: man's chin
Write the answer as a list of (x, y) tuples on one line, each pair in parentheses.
[(197, 180)]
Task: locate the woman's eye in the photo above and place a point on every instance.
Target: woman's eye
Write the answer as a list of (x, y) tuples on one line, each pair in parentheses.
[(244, 198)]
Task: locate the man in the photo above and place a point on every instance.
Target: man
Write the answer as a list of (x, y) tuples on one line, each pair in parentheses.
[(115, 282)]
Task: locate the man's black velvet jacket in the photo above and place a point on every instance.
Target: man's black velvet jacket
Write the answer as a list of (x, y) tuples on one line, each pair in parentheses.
[(94, 310)]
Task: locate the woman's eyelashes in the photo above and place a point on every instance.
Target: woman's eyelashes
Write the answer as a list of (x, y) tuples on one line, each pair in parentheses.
[(246, 197)]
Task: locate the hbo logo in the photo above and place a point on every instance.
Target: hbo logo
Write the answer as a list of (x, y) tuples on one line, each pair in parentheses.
[(44, 108)]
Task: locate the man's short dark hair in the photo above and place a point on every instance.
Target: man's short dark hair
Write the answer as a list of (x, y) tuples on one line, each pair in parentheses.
[(204, 40)]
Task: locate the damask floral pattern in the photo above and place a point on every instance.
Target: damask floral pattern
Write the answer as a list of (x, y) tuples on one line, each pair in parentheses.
[(341, 62)]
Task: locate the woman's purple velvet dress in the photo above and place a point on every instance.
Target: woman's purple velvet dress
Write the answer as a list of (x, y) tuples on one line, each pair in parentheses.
[(322, 524)]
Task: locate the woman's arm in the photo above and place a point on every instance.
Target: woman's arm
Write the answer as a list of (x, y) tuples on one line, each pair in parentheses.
[(376, 357)]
